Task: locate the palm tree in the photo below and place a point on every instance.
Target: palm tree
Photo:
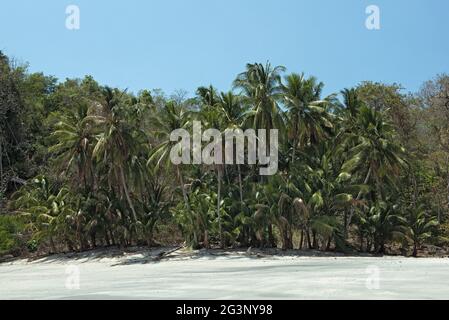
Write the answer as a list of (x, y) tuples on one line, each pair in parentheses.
[(48, 210), (172, 117), (382, 221), (75, 136), (155, 203), (418, 227), (307, 118), (117, 142), (373, 150), (234, 113), (261, 90), (211, 116)]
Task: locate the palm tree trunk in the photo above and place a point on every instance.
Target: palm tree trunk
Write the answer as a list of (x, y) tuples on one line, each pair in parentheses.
[(271, 240), (218, 207), (359, 195), (113, 242), (329, 242), (186, 202), (125, 189), (52, 245), (206, 239), (93, 240), (240, 185), (184, 192), (106, 238), (309, 243), (293, 152)]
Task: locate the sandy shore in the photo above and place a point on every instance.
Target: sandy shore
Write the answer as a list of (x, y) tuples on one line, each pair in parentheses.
[(223, 275)]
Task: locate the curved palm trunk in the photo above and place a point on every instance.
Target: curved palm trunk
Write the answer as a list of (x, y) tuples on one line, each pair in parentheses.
[(186, 202), (125, 189), (368, 175)]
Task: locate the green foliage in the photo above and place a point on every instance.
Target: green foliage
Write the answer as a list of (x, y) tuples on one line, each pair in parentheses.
[(367, 172), (12, 230)]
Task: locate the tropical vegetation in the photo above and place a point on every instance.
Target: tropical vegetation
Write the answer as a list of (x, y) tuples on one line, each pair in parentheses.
[(84, 165)]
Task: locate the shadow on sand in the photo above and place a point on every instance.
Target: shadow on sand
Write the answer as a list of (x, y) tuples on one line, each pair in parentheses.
[(144, 255)]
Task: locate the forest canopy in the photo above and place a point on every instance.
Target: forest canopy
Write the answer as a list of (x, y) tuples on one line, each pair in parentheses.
[(84, 165)]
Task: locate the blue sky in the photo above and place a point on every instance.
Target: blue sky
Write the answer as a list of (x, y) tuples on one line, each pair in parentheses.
[(182, 44)]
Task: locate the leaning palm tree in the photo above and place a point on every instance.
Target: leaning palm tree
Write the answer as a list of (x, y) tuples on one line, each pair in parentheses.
[(75, 137), (172, 117), (117, 142)]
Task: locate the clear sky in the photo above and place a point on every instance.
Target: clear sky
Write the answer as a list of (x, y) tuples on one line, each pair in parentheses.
[(182, 44)]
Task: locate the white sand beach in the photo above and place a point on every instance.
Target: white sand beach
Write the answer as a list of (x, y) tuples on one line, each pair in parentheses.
[(235, 275)]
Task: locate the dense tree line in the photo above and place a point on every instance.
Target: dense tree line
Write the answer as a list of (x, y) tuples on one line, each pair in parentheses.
[(84, 165)]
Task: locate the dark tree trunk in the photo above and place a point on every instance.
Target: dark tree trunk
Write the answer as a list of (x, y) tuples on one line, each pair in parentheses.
[(415, 250), (271, 240), (314, 241), (309, 243), (52, 245), (301, 239), (93, 239), (328, 246), (106, 237)]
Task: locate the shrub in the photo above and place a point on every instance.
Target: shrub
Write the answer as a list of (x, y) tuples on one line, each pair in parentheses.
[(11, 233)]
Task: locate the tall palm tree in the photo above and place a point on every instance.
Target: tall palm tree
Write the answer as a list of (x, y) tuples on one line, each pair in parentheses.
[(307, 118), (117, 142), (261, 90), (75, 137), (373, 151), (234, 116), (173, 116), (211, 116)]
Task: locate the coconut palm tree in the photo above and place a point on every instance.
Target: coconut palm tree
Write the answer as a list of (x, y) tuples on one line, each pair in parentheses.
[(118, 142), (418, 227), (211, 116), (172, 117), (47, 209), (307, 118), (261, 90), (234, 113), (75, 138), (373, 151)]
